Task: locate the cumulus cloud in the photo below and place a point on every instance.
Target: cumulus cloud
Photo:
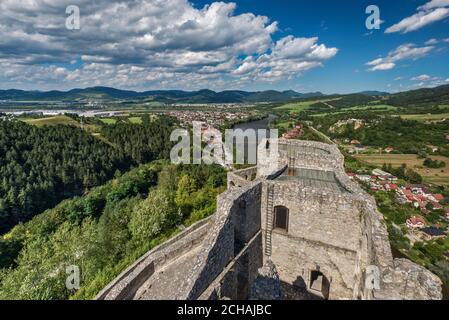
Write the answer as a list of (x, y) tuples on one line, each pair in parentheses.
[(146, 43), (289, 56), (429, 13), (407, 51)]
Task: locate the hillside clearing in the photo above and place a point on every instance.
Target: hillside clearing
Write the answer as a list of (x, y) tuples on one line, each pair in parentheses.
[(435, 176), (301, 106), (51, 121), (426, 117)]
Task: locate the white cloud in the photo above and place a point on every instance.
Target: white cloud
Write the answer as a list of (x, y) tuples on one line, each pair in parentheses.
[(147, 44), (382, 66), (404, 52), (290, 56), (434, 4), (428, 81), (432, 42), (429, 13), (423, 77)]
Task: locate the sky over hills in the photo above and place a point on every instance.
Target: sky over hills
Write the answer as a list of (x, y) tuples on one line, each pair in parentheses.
[(306, 46)]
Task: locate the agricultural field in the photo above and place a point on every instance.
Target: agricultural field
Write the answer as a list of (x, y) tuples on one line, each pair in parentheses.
[(426, 117), (135, 120), (301, 106), (51, 121), (378, 107), (61, 120), (108, 120), (434, 176), (285, 124), (112, 120)]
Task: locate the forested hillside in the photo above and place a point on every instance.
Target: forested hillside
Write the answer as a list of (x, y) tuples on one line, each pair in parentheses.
[(143, 143), (104, 231), (168, 96), (39, 167), (425, 97)]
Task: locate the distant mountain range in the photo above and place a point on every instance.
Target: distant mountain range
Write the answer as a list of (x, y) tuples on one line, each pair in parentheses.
[(374, 93), (168, 96), (425, 96)]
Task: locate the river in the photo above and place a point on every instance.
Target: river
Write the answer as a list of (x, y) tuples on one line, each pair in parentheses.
[(262, 124), (256, 124)]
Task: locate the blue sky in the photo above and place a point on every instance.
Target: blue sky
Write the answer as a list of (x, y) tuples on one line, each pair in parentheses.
[(320, 45), (342, 24)]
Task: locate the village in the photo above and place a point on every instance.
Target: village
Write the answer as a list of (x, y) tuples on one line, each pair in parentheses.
[(211, 118), (294, 133), (413, 196)]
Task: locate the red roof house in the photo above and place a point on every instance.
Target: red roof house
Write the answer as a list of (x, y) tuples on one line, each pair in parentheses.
[(436, 206), (351, 174), (416, 222)]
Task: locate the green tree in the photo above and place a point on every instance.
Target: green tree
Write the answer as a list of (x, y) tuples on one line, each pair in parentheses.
[(153, 215)]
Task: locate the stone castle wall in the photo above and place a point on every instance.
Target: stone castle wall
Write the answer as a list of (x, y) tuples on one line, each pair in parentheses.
[(336, 231), (314, 240), (125, 286), (236, 222)]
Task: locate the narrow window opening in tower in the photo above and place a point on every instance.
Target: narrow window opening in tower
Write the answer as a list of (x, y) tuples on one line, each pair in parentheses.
[(320, 284), (281, 218)]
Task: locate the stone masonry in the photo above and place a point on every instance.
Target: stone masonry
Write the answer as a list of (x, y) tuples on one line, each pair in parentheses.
[(301, 230)]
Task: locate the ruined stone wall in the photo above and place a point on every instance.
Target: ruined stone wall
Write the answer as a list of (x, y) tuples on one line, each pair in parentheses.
[(128, 282), (220, 247), (309, 154), (236, 280), (318, 215), (242, 177), (324, 233), (338, 232), (399, 278), (341, 233)]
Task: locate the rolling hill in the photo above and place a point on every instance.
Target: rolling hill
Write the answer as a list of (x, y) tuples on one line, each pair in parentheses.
[(414, 98), (168, 96), (421, 97)]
